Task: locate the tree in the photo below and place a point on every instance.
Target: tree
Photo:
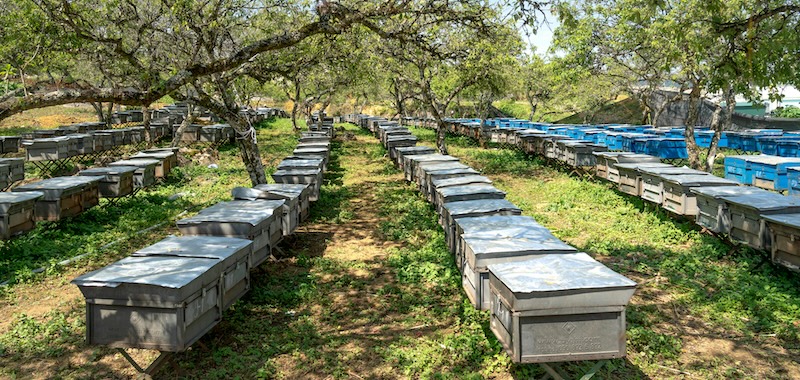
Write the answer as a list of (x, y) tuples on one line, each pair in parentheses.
[(714, 50)]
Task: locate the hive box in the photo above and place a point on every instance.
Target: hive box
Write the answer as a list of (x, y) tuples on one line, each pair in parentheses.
[(557, 308), (410, 151), (488, 226), (394, 142), (467, 209), (63, 196), (145, 175), (610, 161), (286, 190), (747, 211), (16, 168), (770, 172), (292, 163), (466, 193), (410, 162), (259, 221), (234, 254), (441, 170), (10, 144), (50, 149), (165, 158), (117, 180), (785, 238), (310, 177), (163, 303), (712, 210), (313, 152), (651, 185), (630, 179), (480, 252), (17, 212), (290, 218), (677, 195)]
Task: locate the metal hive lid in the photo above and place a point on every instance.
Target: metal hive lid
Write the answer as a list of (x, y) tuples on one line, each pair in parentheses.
[(530, 232), (260, 206), (440, 165), (496, 222), (790, 220), (722, 191), (414, 149), (138, 162), (479, 205), (432, 157), (766, 201), (552, 273), (297, 172), (450, 171), (697, 180), (479, 188), (669, 170), (60, 183), (162, 271), (292, 188), (637, 165), (196, 246), (108, 170), (8, 199), (532, 243), (462, 180)]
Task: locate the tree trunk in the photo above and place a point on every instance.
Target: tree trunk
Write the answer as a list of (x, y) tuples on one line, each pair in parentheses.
[(441, 132), (148, 137), (109, 111), (187, 121), (294, 106), (691, 121), (720, 126), (98, 110), (251, 157)]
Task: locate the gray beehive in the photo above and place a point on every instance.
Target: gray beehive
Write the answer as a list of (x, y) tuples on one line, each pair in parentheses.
[(259, 221), (291, 208), (234, 254), (677, 195), (421, 170), (410, 151), (48, 149), (167, 161), (145, 175), (630, 178), (481, 252), (63, 196), (16, 168), (10, 144), (312, 152), (163, 303), (466, 193), (785, 240), (286, 191), (440, 173), (497, 227), (410, 162), (651, 185), (452, 211), (117, 180), (712, 210), (301, 163), (747, 223), (559, 308), (17, 212), (310, 177)]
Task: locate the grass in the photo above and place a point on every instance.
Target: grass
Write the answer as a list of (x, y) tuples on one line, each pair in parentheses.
[(694, 289), (366, 288)]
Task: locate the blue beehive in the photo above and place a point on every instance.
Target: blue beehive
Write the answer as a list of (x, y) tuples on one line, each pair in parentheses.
[(770, 172), (738, 169), (667, 148), (793, 177), (788, 147)]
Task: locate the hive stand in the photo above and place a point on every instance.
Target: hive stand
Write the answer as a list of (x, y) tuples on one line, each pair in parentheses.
[(152, 368), (555, 371), (50, 167)]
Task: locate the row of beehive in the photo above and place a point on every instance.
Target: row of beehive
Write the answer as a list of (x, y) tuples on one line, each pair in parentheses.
[(55, 198), (762, 219), (548, 302), (664, 142), (167, 296)]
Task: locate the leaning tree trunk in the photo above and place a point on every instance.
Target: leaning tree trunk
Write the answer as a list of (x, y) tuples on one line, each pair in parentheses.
[(441, 132), (719, 126), (251, 157), (691, 120), (148, 136), (187, 121)]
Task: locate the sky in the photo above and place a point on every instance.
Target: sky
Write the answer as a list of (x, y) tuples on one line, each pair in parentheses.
[(544, 35)]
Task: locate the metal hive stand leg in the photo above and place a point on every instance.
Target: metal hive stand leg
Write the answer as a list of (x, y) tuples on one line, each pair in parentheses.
[(555, 372), (152, 368)]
